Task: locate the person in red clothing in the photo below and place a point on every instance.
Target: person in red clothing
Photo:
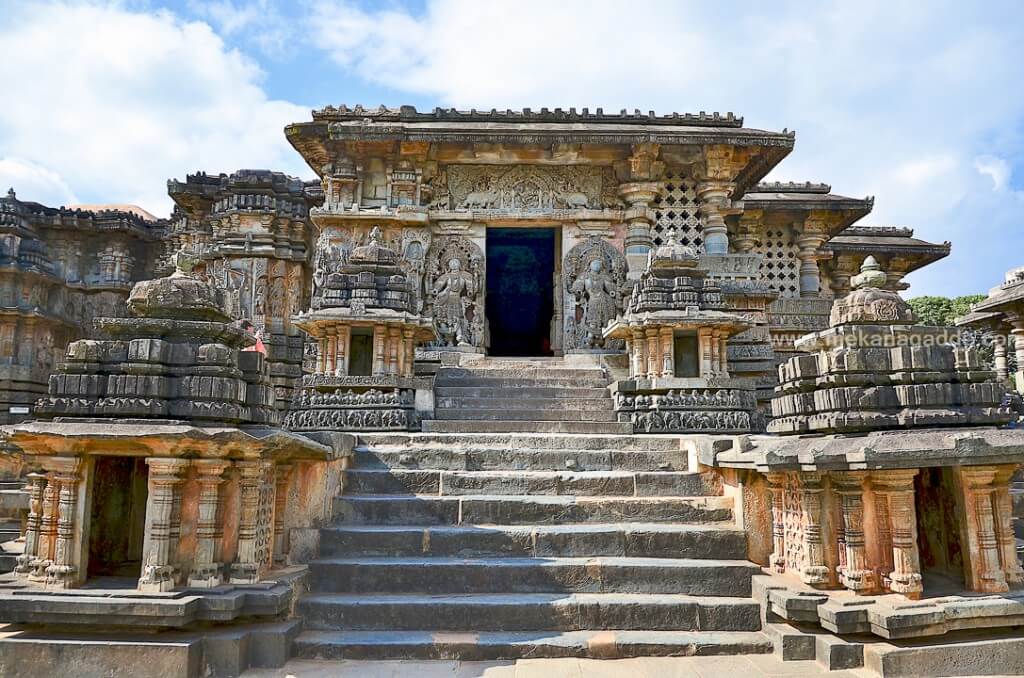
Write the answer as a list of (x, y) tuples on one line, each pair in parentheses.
[(254, 331)]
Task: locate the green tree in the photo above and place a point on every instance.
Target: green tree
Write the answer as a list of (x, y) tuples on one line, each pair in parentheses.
[(942, 310)]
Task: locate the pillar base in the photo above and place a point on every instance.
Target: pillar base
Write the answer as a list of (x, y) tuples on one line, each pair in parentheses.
[(156, 579), (244, 573), (60, 576), (206, 576), (814, 575)]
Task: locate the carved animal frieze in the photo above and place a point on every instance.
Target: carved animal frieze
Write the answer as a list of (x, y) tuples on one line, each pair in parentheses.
[(528, 187)]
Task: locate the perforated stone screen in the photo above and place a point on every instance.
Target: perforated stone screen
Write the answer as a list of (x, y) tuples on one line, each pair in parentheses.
[(781, 266), (677, 208)]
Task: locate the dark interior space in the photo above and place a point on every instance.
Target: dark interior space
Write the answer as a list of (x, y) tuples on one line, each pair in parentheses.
[(118, 517), (360, 359), (938, 533), (520, 290)]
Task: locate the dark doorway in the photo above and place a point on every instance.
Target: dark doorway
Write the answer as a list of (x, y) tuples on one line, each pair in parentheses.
[(117, 519), (520, 290)]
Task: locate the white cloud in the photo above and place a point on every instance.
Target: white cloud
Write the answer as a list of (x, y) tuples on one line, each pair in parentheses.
[(997, 169), (257, 20), (35, 183), (887, 98), (110, 103)]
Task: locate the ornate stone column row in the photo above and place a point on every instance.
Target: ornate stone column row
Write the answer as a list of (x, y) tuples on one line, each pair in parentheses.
[(988, 528), (804, 541), (53, 532), (393, 351), (873, 538), (53, 545)]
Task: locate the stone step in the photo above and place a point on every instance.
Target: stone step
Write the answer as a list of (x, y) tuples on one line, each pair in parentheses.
[(554, 414), (532, 575), (521, 374), (552, 612), (511, 383), (513, 402), (524, 510), (653, 540), (522, 441), (519, 392), (497, 459), (476, 426), (587, 483), (998, 654), (533, 644)]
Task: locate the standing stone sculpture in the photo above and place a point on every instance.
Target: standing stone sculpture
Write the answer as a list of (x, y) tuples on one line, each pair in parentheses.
[(453, 295), (455, 292), (595, 276)]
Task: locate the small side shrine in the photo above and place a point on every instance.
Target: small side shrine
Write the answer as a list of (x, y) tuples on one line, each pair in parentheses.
[(676, 332), (367, 329), (156, 462), (890, 477)]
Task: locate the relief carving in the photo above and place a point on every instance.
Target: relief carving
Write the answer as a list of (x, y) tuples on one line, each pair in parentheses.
[(595, 282), (454, 285), (527, 188)]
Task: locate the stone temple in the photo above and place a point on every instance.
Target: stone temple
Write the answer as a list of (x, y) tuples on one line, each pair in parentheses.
[(498, 384)]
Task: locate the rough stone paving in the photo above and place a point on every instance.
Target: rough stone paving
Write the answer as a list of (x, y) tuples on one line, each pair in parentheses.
[(499, 386)]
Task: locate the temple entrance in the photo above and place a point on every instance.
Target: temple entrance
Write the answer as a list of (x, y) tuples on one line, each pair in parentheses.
[(520, 290), (117, 521)]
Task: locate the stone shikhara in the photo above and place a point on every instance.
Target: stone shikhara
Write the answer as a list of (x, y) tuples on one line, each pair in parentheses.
[(285, 408)]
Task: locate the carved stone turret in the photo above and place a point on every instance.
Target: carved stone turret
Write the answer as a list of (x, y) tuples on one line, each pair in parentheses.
[(874, 368), (676, 332), (179, 356), (366, 330)]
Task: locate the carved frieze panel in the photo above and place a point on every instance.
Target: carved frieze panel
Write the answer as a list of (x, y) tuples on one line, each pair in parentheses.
[(529, 187), (595, 289)]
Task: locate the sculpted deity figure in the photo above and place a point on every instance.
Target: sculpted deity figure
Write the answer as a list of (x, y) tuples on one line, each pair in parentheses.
[(453, 294), (598, 296)]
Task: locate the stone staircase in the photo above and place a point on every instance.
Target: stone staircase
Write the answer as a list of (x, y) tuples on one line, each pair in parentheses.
[(538, 395), (506, 545)]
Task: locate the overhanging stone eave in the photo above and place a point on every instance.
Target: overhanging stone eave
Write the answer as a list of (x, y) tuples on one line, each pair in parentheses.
[(876, 450), (918, 255), (161, 439)]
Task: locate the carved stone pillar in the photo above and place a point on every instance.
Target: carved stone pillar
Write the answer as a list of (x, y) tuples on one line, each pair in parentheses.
[(62, 572), (1003, 506), (283, 475), (777, 489), (704, 345), (379, 360), (207, 567), (638, 217), (714, 197), (855, 575), (985, 570), (814, 570), (332, 353), (406, 365), (1018, 348), (47, 530), (896, 490), (637, 353), (321, 356), (36, 488), (246, 568), (653, 363), (159, 548), (745, 238), (394, 340), (341, 351), (810, 275), (1001, 364), (667, 359)]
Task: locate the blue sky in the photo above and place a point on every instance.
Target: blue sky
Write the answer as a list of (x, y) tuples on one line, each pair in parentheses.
[(919, 104)]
